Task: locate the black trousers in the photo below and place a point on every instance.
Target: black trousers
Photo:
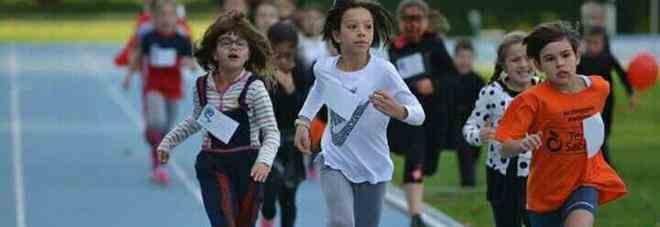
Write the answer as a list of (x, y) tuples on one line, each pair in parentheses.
[(282, 184), (467, 162), (278, 191), (607, 120), (507, 197)]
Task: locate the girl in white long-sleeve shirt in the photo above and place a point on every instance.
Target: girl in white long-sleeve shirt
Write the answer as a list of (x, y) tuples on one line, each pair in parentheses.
[(355, 162)]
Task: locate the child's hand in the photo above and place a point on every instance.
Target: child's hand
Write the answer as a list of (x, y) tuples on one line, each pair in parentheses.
[(384, 103), (285, 79), (260, 172), (302, 140), (487, 133), (163, 156), (424, 86), (531, 142)]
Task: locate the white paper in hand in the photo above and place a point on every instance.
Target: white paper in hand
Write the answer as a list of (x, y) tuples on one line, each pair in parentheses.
[(594, 134), (217, 123), (411, 65), (162, 57)]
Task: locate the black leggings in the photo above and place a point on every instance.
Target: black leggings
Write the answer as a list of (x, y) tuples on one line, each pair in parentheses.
[(467, 161), (277, 190), (286, 174), (607, 120), (506, 194)]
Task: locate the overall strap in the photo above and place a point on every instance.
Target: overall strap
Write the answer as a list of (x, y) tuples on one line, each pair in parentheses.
[(241, 98), (201, 90)]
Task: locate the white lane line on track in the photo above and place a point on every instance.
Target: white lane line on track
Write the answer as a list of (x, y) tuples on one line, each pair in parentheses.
[(16, 138)]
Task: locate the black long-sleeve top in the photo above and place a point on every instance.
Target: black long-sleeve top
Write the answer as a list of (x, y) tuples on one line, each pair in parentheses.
[(289, 161), (602, 65), (440, 69), (467, 92), (286, 106)]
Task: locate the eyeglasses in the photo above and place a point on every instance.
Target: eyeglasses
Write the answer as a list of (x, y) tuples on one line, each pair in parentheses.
[(227, 43)]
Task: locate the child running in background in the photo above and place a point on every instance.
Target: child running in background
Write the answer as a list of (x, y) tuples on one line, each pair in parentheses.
[(143, 24), (599, 60), (506, 178), (362, 93), (288, 96), (265, 16), (161, 54), (560, 121), (311, 45), (428, 70), (286, 9), (467, 92), (311, 48), (232, 105)]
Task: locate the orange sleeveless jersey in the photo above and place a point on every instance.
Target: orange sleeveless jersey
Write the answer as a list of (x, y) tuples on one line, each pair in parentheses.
[(561, 165)]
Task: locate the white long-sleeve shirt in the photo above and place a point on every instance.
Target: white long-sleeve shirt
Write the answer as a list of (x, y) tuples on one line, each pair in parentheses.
[(358, 146), (260, 114)]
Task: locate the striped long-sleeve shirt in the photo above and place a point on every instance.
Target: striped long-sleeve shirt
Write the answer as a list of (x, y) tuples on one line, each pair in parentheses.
[(260, 114)]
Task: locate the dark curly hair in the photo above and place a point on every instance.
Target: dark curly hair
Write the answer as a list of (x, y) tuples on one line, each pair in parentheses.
[(546, 33), (383, 21), (259, 60)]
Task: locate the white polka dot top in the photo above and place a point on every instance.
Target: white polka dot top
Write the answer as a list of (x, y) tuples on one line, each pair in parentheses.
[(490, 106)]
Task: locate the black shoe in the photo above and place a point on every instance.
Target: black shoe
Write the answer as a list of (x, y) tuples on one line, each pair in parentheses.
[(416, 221)]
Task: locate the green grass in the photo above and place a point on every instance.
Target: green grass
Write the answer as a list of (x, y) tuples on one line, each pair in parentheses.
[(634, 147), (67, 28)]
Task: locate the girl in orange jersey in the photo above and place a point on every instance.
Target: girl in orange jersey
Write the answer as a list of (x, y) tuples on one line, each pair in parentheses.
[(560, 121)]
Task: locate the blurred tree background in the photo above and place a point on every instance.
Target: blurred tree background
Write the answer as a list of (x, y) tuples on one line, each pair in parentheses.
[(632, 15)]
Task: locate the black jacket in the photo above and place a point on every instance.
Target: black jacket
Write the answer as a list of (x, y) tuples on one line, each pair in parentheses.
[(467, 92), (289, 161), (439, 67), (602, 65)]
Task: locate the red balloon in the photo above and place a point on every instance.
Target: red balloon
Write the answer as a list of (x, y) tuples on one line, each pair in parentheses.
[(643, 71)]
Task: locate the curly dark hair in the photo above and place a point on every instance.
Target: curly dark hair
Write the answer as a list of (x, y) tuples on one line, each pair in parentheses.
[(383, 21), (233, 21), (546, 33)]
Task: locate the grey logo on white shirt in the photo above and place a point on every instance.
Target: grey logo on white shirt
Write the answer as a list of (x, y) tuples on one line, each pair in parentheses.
[(339, 137)]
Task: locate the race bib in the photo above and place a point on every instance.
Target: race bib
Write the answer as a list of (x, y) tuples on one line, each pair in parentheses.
[(162, 57), (594, 134), (411, 65), (217, 123)]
